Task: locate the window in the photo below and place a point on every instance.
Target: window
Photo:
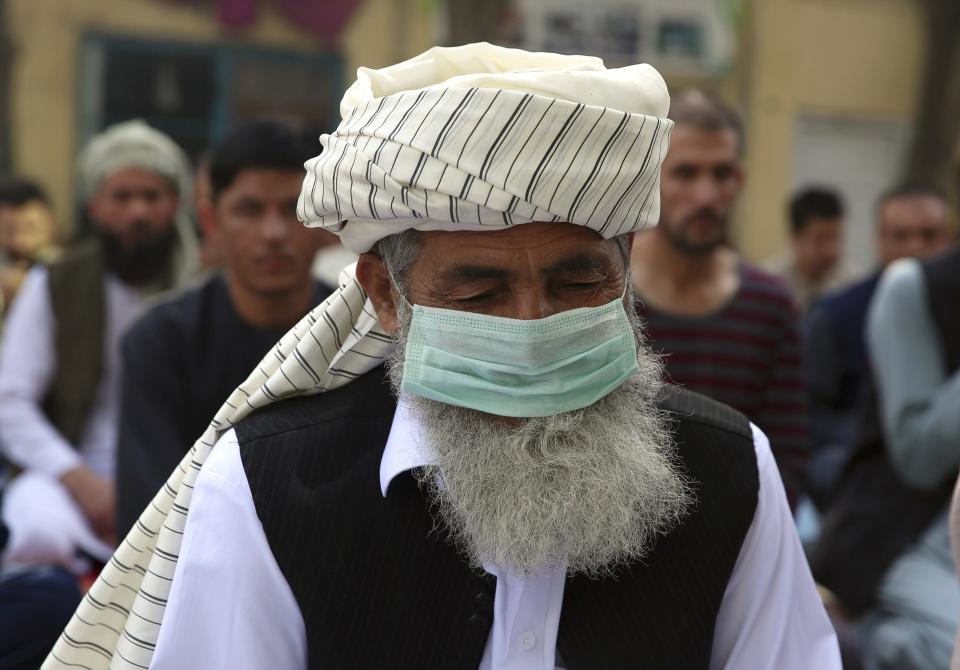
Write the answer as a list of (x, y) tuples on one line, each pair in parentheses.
[(197, 92)]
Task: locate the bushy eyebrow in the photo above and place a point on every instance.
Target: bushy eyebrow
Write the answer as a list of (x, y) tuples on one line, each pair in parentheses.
[(475, 272), (578, 263), (581, 262)]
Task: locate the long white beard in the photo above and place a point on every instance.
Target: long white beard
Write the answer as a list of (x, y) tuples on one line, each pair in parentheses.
[(589, 489)]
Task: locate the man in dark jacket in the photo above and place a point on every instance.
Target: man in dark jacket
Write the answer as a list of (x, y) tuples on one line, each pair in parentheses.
[(913, 222), (185, 356)]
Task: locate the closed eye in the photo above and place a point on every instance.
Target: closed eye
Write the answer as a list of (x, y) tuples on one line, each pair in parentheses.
[(474, 299)]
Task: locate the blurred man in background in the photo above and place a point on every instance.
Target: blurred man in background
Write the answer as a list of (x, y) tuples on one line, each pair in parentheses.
[(728, 329), (913, 221), (35, 601), (28, 234), (59, 362), (813, 264), (185, 356), (885, 550)]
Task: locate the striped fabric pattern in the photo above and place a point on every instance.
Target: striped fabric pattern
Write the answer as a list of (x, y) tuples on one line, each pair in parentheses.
[(439, 157), (481, 158), (118, 621), (746, 355)]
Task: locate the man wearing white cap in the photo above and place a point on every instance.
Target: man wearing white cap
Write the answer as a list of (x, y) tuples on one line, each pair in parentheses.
[(514, 488), (59, 368)]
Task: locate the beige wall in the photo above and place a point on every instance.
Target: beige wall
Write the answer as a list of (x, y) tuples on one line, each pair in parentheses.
[(47, 36), (859, 58)]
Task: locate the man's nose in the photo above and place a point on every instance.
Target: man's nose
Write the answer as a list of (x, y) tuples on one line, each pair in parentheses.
[(139, 208), (533, 304), (273, 227), (706, 190)]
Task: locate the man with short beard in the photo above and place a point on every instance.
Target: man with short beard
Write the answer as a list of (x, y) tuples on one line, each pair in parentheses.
[(59, 368), (515, 488), (725, 328)]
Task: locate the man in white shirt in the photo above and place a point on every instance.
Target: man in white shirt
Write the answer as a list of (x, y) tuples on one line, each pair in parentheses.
[(59, 372), (515, 488)]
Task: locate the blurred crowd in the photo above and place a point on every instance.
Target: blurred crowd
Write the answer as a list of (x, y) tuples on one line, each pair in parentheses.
[(119, 345)]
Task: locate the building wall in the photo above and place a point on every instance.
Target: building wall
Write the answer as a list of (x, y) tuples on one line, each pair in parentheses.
[(861, 59), (47, 36)]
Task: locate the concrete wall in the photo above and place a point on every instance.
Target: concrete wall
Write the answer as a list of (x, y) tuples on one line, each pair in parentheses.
[(47, 35), (844, 58)]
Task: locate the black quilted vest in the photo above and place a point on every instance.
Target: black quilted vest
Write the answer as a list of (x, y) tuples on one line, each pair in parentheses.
[(379, 587)]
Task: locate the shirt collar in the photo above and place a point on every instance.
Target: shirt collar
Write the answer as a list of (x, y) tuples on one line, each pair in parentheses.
[(405, 449)]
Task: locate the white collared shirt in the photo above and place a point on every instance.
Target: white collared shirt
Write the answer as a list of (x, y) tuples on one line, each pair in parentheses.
[(241, 613), (28, 363)]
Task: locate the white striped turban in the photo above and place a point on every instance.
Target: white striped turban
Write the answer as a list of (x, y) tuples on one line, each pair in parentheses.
[(470, 138), (480, 137)]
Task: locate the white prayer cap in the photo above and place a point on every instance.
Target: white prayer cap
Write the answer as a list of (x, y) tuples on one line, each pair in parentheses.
[(479, 137), (131, 144)]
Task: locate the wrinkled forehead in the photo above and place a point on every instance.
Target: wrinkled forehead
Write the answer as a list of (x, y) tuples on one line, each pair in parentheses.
[(537, 246), (702, 147), (914, 210)]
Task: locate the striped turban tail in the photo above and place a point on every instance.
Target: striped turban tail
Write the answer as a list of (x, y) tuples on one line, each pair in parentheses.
[(506, 137)]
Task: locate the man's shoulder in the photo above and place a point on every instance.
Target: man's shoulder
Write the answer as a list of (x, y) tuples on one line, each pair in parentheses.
[(76, 255), (856, 296), (78, 268), (762, 285), (366, 398), (177, 313), (715, 445), (689, 407), (942, 272)]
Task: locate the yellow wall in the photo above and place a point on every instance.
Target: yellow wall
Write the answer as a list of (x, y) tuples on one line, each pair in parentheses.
[(836, 57), (47, 36), (858, 58)]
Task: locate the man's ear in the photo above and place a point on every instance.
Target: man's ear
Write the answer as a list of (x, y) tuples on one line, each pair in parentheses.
[(93, 207), (375, 280), (741, 174), (207, 218)]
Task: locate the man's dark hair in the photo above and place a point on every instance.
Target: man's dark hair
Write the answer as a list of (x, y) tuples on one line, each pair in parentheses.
[(261, 145), (16, 192), (705, 110), (912, 188), (814, 203)]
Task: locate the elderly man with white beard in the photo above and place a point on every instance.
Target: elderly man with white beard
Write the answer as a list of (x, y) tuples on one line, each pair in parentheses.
[(465, 456)]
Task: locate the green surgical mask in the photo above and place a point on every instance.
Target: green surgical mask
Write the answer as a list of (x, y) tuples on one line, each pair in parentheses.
[(517, 367)]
